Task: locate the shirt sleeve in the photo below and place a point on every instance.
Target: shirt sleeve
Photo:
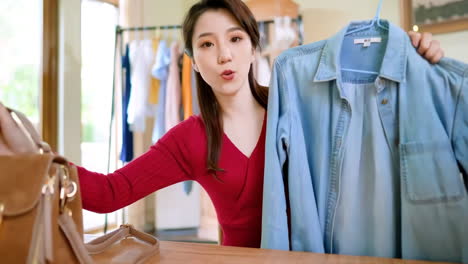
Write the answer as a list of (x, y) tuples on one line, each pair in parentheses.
[(460, 129), (164, 164), (275, 233)]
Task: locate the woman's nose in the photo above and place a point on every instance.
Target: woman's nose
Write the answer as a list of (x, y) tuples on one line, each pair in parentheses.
[(224, 55)]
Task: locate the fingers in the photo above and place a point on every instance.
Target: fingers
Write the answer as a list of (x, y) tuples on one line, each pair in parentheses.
[(415, 38), (434, 53), (439, 55), (427, 47), (432, 50), (425, 43)]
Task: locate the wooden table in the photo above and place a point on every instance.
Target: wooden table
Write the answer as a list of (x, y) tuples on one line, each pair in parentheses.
[(195, 253)]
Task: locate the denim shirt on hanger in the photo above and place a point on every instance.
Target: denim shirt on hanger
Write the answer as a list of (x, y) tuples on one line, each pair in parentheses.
[(425, 123)]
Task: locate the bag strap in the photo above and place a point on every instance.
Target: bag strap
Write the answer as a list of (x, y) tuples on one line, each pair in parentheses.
[(83, 251), (100, 244), (76, 241), (28, 129)]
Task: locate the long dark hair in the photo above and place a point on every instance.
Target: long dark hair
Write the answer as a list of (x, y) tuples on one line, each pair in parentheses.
[(209, 106)]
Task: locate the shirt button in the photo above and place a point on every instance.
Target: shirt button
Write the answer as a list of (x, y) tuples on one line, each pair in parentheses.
[(338, 143), (384, 101)]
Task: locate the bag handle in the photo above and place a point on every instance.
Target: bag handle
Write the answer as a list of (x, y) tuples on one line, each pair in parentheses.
[(98, 245), (28, 129)]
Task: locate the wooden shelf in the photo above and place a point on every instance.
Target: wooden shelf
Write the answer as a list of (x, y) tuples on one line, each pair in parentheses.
[(268, 9)]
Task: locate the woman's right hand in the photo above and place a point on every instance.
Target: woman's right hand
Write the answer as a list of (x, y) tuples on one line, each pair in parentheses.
[(12, 138)]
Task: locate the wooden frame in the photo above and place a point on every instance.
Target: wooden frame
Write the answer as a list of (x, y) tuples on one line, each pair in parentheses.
[(438, 27), (49, 77), (50, 72)]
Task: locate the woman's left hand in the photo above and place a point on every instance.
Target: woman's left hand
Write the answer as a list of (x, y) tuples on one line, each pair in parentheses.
[(427, 47)]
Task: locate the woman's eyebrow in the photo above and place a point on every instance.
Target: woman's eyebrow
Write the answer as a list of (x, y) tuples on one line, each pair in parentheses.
[(211, 33), (235, 29)]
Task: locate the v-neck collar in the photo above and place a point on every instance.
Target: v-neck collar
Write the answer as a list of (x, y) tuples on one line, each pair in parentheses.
[(261, 138)]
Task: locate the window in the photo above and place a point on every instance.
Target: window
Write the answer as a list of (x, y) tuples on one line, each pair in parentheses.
[(20, 54), (98, 22)]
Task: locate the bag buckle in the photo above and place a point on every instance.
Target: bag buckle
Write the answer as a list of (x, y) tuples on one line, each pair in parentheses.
[(49, 186), (68, 189)]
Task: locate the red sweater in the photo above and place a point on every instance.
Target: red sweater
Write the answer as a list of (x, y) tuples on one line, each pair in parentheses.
[(179, 156)]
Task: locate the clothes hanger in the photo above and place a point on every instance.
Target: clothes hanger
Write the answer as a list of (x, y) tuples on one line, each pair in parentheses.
[(375, 21)]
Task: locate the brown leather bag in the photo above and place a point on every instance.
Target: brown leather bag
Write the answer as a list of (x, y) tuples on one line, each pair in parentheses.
[(41, 213), (35, 189)]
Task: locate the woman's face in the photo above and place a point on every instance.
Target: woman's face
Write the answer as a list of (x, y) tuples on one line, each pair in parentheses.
[(222, 52)]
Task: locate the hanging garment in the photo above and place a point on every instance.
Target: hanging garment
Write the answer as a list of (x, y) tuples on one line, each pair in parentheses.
[(262, 70), (138, 108), (195, 105), (126, 153), (369, 178), (160, 71), (187, 101), (173, 89), (422, 110), (155, 83), (187, 86)]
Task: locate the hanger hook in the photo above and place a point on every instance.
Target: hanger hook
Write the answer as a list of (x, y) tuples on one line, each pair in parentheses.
[(379, 8)]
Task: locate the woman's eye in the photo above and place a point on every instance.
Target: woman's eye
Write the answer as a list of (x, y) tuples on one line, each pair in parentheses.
[(206, 45), (236, 39)]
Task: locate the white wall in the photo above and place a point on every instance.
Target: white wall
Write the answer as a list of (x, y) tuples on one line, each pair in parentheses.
[(163, 12), (323, 18), (357, 9), (455, 45)]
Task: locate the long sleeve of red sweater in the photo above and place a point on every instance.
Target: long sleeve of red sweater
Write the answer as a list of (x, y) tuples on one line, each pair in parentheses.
[(162, 165), (181, 155)]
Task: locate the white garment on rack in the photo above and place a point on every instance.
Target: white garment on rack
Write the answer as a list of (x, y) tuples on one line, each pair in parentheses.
[(284, 37), (262, 70), (195, 105), (173, 94), (160, 71), (141, 58)]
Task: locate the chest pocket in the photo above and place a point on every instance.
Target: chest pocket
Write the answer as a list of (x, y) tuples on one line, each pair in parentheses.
[(430, 172)]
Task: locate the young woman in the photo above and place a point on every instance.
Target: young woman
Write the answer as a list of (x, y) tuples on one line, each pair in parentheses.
[(223, 149)]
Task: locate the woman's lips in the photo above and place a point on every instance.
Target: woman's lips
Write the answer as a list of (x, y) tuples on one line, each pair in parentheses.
[(228, 75)]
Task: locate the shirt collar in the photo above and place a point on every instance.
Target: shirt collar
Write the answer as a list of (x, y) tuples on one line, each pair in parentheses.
[(393, 64)]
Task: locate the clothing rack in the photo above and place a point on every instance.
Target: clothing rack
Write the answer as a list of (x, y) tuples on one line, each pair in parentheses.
[(119, 30)]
